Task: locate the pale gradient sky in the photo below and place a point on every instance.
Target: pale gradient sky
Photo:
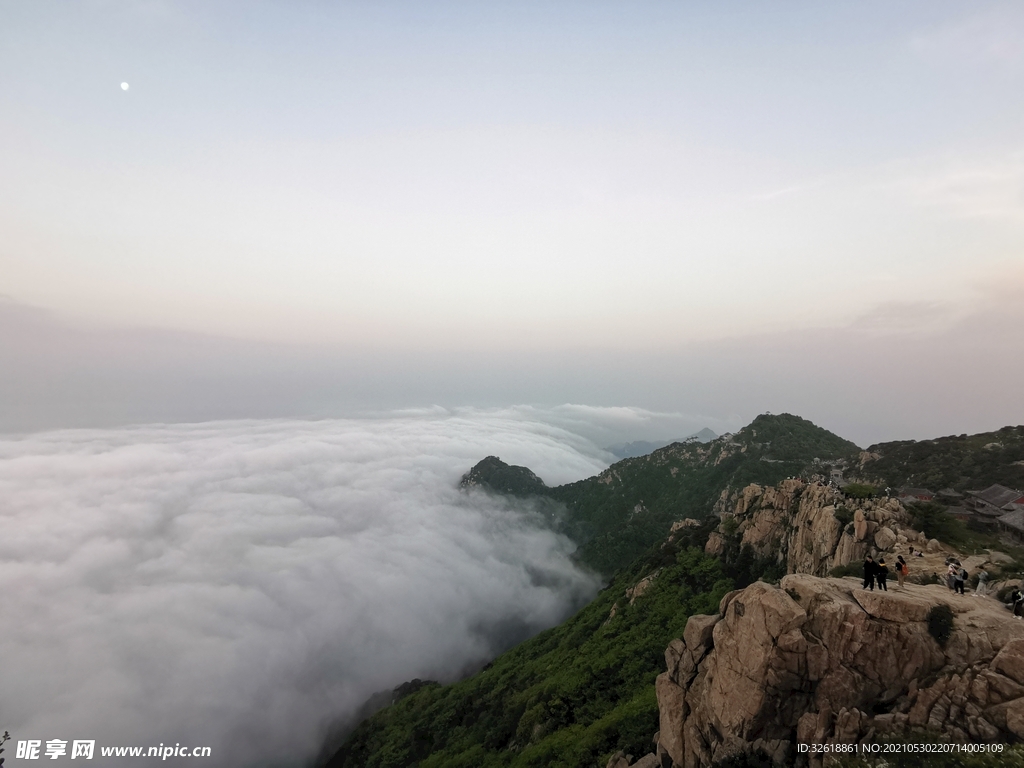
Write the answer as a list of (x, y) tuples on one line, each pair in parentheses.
[(445, 196)]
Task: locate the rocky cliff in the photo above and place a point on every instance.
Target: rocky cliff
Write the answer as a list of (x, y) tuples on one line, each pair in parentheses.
[(823, 661), (810, 527)]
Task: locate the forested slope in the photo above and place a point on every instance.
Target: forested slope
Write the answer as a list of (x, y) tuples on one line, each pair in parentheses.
[(573, 695), (960, 462), (616, 515), (579, 692)]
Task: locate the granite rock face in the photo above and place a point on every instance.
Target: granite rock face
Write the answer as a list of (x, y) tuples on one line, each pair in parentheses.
[(821, 660), (809, 527)]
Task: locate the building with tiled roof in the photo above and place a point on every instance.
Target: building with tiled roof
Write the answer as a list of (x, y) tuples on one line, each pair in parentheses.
[(997, 499), (916, 494), (962, 513), (1013, 523)]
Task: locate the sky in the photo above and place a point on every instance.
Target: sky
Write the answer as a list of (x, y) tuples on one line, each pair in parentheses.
[(704, 209)]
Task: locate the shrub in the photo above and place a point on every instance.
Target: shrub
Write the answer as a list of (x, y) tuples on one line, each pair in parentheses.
[(850, 569), (1012, 570), (844, 515), (936, 522), (978, 526), (859, 491), (940, 623)]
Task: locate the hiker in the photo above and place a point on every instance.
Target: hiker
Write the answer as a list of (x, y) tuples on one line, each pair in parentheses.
[(979, 591), (951, 577), (882, 573), (958, 580), (870, 570), (901, 569), (1016, 598)]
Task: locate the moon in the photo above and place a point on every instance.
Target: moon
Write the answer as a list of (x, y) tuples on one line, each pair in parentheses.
[(124, 86)]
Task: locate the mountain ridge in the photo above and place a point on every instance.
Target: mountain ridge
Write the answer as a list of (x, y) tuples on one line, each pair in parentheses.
[(643, 447), (584, 693), (616, 515)]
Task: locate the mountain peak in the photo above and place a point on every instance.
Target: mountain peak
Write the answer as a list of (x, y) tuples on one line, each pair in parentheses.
[(494, 474), (789, 437)]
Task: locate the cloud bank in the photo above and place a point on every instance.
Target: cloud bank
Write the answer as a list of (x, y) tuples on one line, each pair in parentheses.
[(247, 585)]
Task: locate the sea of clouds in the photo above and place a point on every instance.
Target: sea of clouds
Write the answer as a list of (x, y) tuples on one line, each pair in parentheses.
[(247, 585)]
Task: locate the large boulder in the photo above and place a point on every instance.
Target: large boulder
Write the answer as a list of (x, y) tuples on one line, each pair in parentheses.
[(811, 660), (860, 525), (698, 634), (884, 539), (715, 544), (894, 606), (1010, 661)]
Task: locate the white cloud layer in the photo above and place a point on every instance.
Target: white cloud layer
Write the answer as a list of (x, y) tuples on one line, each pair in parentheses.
[(247, 585)]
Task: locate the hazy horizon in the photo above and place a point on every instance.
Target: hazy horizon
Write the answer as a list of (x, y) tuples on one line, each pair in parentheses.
[(323, 210), (866, 383)]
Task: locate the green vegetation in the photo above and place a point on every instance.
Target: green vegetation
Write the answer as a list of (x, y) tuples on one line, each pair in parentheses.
[(577, 693), (844, 515), (859, 491), (629, 507), (571, 696), (959, 462), (940, 623), (850, 569), (936, 523), (1012, 570), (494, 474)]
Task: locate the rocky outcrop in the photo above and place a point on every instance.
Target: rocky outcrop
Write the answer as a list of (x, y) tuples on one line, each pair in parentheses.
[(809, 527), (493, 474), (621, 760), (822, 661)]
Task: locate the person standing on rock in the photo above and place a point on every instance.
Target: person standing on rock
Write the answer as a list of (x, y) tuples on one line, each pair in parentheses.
[(951, 577), (870, 570), (1016, 598), (882, 574), (901, 569), (979, 591), (959, 577)]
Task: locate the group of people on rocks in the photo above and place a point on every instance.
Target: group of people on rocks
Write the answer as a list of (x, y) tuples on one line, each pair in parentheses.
[(956, 576), (877, 572)]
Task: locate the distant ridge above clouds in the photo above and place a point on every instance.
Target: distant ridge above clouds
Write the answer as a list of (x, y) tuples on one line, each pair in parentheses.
[(643, 447)]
